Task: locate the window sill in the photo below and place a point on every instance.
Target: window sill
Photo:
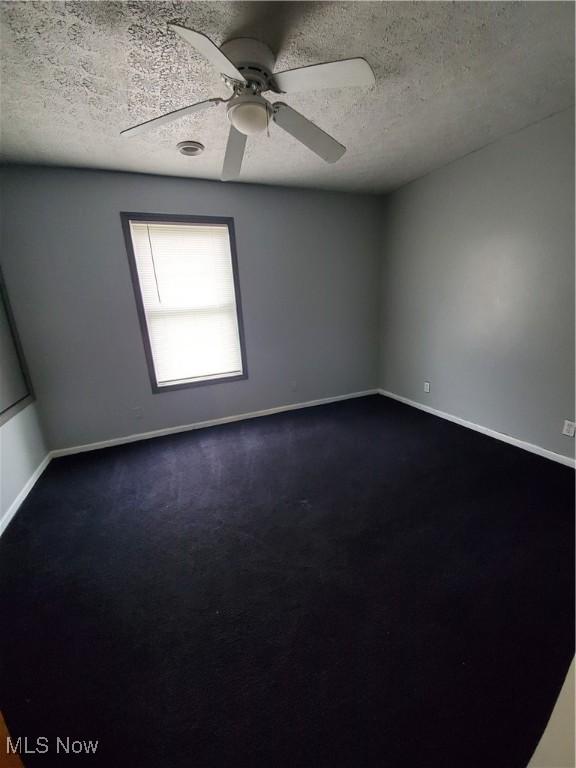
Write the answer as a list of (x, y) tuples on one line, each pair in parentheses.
[(157, 389)]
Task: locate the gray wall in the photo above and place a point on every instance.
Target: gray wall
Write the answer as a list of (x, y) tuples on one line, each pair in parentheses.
[(478, 286), (22, 450), (22, 445), (309, 274), (477, 292)]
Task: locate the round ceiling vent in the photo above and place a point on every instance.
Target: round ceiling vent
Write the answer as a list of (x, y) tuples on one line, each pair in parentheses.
[(190, 148)]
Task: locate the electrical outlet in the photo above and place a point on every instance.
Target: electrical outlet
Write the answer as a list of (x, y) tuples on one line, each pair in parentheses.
[(137, 412), (569, 427), (426, 386)]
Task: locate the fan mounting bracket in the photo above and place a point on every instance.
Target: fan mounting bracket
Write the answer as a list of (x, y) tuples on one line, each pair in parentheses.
[(254, 60)]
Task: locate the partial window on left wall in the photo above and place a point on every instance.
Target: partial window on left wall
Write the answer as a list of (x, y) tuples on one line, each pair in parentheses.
[(185, 276), (15, 390)]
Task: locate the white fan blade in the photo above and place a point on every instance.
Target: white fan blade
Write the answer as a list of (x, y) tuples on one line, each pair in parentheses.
[(307, 133), (333, 74), (234, 154), (169, 116), (209, 50)]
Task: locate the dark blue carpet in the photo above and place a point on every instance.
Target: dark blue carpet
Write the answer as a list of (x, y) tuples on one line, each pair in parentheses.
[(358, 584)]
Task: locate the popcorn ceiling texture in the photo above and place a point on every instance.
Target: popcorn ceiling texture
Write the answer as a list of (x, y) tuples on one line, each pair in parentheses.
[(450, 79)]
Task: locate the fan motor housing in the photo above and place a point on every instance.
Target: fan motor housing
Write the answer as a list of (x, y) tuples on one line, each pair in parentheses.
[(253, 59)]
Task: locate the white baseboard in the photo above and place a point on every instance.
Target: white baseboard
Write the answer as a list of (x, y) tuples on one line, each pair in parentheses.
[(567, 460), (209, 423), (15, 506)]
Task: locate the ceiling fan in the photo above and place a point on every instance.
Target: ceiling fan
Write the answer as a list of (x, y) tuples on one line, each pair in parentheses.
[(246, 66)]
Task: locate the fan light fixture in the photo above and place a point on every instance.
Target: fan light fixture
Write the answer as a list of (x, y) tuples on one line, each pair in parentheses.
[(249, 114)]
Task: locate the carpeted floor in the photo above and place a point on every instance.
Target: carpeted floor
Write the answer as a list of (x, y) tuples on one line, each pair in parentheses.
[(358, 584)]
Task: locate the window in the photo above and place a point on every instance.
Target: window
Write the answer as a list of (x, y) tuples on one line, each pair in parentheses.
[(15, 390), (186, 284)]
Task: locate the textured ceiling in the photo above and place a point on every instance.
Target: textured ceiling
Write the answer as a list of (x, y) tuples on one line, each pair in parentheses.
[(450, 78)]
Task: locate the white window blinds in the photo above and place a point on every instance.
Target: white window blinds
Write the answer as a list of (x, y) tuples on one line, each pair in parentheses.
[(186, 282)]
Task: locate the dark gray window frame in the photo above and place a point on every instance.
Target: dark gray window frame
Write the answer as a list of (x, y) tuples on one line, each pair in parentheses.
[(19, 405), (128, 216)]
